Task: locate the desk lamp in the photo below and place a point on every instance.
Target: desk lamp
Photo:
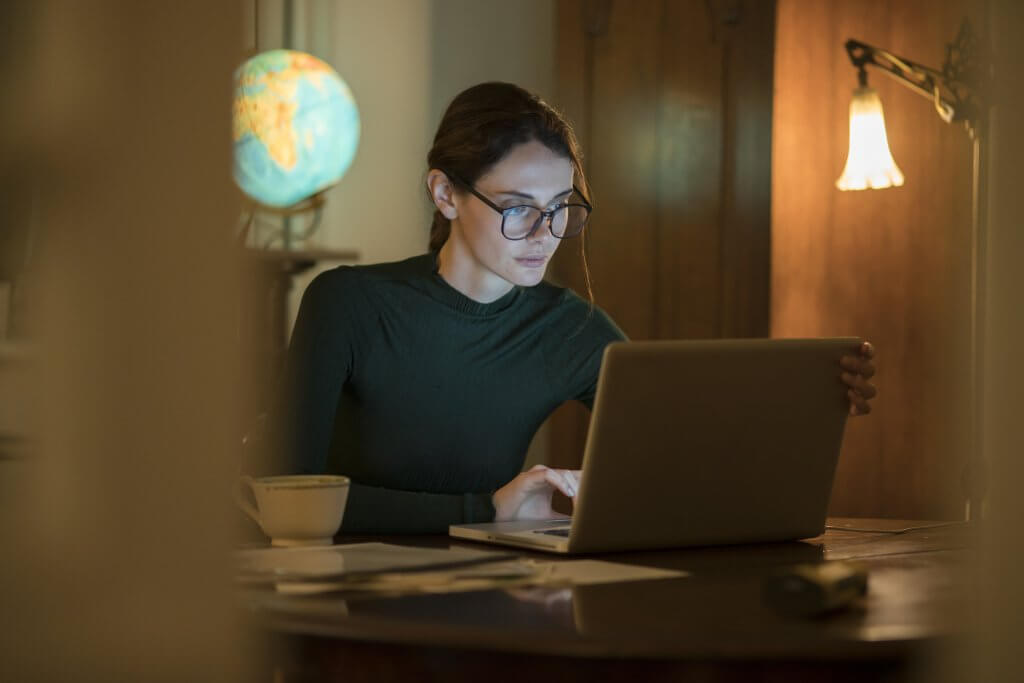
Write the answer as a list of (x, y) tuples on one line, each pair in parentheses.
[(956, 92)]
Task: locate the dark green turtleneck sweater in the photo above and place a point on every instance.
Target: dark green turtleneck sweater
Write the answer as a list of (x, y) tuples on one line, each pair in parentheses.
[(425, 398)]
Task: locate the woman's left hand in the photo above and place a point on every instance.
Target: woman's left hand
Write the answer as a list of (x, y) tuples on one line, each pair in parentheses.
[(857, 370)]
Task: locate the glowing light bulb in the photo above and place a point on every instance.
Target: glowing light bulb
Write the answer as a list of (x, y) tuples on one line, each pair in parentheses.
[(869, 162)]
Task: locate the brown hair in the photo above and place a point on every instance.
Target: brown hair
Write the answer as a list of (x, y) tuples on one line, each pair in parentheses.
[(482, 125)]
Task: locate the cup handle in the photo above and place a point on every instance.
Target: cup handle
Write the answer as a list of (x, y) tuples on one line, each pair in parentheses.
[(245, 483)]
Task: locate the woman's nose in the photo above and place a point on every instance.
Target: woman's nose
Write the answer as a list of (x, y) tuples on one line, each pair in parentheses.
[(543, 231)]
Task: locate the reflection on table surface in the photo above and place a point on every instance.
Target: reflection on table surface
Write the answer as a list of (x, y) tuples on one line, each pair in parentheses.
[(915, 597)]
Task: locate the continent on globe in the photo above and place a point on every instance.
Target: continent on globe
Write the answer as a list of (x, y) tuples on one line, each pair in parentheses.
[(295, 124)]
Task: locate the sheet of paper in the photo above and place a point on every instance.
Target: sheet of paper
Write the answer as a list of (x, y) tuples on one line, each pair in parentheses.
[(352, 561), (507, 574), (586, 572)]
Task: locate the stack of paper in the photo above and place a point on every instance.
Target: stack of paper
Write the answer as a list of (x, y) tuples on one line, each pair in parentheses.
[(383, 568)]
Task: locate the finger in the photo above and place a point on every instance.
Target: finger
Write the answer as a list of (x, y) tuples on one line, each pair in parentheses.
[(858, 406), (570, 482), (536, 478), (860, 385), (867, 350), (868, 390), (573, 480), (557, 481), (858, 365)]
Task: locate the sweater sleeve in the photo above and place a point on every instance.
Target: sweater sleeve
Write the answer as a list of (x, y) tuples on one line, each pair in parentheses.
[(373, 510), (599, 331), (318, 364)]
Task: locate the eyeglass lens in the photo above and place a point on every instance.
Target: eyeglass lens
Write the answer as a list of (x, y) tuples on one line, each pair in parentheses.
[(567, 221)]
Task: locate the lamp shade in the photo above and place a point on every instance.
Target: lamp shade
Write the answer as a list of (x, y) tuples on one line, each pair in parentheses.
[(869, 162)]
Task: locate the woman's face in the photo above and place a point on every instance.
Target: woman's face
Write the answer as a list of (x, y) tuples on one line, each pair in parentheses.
[(529, 174)]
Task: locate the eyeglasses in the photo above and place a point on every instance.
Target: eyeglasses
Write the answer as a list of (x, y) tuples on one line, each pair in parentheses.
[(521, 221)]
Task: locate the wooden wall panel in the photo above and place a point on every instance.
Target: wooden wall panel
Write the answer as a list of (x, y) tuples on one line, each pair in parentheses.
[(623, 137), (692, 123), (672, 103), (890, 265), (746, 177)]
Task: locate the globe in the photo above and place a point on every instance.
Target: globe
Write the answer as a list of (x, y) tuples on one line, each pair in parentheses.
[(296, 127)]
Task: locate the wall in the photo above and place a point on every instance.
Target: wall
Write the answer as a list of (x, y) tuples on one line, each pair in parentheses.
[(482, 40), (382, 49), (890, 265)]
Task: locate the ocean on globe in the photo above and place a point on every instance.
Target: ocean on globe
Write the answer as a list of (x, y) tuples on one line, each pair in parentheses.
[(296, 127)]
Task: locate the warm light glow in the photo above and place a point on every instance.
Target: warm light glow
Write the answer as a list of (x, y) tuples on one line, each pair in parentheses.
[(869, 163)]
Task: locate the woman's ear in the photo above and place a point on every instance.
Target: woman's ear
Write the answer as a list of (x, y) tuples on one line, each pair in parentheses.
[(442, 191)]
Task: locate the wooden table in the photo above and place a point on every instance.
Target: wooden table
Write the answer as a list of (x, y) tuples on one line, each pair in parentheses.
[(712, 625)]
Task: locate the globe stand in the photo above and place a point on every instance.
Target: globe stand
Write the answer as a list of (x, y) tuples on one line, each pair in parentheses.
[(313, 204)]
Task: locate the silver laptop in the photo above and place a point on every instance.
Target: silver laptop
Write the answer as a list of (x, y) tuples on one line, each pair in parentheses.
[(701, 443)]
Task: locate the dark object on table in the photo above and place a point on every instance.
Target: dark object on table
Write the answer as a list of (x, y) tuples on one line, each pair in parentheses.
[(810, 590)]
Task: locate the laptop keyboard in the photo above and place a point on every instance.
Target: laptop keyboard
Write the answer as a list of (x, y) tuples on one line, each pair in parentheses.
[(563, 531)]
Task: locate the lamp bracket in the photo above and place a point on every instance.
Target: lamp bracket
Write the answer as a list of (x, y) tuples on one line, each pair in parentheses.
[(955, 90)]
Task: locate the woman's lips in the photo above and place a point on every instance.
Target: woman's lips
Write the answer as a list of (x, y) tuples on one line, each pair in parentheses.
[(532, 261)]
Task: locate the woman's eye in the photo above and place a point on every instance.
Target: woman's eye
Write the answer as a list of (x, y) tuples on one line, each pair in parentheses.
[(516, 211)]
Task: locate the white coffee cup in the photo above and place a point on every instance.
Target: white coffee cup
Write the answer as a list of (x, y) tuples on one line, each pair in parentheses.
[(296, 510)]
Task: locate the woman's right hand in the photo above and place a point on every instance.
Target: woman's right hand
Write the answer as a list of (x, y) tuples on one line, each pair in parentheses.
[(528, 496)]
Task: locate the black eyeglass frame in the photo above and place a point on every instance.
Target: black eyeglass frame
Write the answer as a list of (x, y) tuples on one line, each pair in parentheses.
[(544, 215)]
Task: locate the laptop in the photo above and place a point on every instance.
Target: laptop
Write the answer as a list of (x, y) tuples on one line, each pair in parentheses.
[(697, 443)]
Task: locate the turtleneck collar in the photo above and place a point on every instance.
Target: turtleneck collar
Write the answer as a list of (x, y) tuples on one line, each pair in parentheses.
[(458, 301)]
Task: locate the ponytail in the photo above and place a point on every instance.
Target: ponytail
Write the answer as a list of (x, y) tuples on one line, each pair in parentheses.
[(439, 231)]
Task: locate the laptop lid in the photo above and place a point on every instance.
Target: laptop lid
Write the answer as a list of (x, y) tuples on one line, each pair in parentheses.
[(711, 442)]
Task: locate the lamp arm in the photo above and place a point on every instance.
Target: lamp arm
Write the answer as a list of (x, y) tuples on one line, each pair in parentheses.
[(921, 79), (958, 90)]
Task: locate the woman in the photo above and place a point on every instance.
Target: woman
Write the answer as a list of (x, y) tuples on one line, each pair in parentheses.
[(425, 380)]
